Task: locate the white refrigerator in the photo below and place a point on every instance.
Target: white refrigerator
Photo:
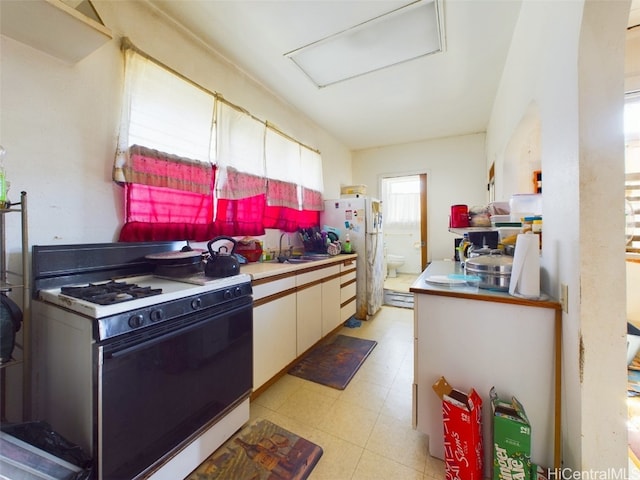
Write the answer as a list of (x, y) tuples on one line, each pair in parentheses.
[(361, 218)]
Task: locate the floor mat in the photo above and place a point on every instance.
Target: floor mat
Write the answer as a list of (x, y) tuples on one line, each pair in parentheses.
[(334, 364), (261, 451)]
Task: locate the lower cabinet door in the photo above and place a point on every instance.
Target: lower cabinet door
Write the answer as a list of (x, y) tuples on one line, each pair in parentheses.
[(274, 338), (309, 309), (330, 305)]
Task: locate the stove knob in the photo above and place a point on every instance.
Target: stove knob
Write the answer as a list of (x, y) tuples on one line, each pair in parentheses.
[(237, 291), (227, 294), (136, 321), (196, 303), (156, 315)]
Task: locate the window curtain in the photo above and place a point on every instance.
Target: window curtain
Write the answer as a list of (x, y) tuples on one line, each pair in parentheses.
[(311, 181), (162, 111), (163, 159), (166, 197), (194, 166), (282, 166), (402, 202), (240, 154)]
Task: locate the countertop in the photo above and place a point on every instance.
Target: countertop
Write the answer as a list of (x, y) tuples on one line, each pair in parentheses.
[(262, 270), (447, 267)]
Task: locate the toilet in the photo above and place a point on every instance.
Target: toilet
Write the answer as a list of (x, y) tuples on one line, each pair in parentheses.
[(394, 262)]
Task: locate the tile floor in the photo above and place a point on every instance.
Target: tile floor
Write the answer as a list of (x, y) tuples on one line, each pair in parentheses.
[(364, 430), (401, 283)]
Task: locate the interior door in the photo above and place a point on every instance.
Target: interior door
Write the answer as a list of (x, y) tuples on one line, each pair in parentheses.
[(424, 254)]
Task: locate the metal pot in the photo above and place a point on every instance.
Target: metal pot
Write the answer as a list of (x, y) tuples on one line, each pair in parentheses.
[(182, 263), (222, 263), (494, 271)]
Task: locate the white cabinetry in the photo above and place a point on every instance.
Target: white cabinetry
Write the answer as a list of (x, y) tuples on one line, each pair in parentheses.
[(274, 328), (294, 308), (482, 340), (309, 313), (318, 290), (331, 304), (347, 289)]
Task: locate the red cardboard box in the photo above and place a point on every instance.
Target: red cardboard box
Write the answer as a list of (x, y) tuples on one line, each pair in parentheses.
[(462, 420)]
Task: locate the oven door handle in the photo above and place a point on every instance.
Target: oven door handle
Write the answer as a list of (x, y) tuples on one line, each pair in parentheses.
[(166, 336), (160, 338)]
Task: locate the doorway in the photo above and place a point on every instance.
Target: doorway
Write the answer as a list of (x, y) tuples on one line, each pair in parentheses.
[(404, 200)]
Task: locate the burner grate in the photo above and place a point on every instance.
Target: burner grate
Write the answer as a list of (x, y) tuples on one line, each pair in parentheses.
[(110, 292)]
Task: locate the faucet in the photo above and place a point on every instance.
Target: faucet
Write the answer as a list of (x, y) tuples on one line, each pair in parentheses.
[(281, 257)]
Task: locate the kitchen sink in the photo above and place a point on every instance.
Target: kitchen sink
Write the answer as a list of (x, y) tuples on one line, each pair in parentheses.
[(314, 257), (298, 260)]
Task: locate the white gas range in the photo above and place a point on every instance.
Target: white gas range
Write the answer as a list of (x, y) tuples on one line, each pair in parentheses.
[(154, 377)]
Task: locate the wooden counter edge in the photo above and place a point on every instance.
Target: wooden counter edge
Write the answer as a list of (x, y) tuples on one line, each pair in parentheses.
[(489, 298)]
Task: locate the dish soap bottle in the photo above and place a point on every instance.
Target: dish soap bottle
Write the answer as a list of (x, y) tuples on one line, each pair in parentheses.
[(347, 244)]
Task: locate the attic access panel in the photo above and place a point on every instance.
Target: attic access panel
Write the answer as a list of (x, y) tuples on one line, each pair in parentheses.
[(404, 34)]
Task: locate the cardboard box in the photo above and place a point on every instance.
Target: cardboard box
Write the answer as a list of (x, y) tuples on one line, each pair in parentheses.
[(511, 440), (539, 473), (353, 190), (462, 420)]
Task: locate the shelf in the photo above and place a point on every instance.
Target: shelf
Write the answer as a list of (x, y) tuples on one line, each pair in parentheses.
[(461, 231), (52, 27), (10, 363), (5, 285)]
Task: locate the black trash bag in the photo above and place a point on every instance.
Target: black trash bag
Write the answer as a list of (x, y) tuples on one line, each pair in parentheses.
[(10, 323), (42, 436)]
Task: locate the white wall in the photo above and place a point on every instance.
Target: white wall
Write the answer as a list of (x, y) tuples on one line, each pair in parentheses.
[(455, 175), (60, 122), (566, 59), (633, 300)]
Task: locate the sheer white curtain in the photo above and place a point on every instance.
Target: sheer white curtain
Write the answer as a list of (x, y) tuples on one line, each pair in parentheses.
[(175, 120), (312, 181), (163, 112), (402, 201), (294, 173), (240, 154)]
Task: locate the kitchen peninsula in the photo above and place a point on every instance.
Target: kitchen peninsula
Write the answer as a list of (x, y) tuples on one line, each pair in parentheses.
[(479, 338)]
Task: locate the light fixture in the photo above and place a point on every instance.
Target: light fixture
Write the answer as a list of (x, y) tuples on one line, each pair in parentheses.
[(404, 34)]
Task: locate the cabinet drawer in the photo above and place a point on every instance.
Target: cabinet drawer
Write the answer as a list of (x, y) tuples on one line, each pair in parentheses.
[(316, 275), (348, 265), (348, 277), (348, 310), (266, 289), (347, 292)]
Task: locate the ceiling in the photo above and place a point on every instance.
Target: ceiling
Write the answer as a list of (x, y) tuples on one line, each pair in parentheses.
[(438, 95)]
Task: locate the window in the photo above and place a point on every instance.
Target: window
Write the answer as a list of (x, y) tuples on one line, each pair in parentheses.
[(632, 169), (402, 201), (194, 166)]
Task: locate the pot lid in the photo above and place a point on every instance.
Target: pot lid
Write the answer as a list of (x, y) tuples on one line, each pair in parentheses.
[(175, 255), (491, 263)]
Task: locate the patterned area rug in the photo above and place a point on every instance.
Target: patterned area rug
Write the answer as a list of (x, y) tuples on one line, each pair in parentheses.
[(334, 364), (261, 451)]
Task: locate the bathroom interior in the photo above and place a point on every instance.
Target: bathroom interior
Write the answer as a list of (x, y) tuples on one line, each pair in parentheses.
[(402, 237)]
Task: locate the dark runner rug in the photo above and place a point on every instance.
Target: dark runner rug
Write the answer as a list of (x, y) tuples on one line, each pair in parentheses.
[(334, 364), (261, 451)]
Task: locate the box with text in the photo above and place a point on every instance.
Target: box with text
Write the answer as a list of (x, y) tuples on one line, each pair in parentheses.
[(511, 440), (462, 421)]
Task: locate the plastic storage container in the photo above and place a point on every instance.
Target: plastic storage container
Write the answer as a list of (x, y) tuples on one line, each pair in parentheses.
[(525, 205), (459, 216)]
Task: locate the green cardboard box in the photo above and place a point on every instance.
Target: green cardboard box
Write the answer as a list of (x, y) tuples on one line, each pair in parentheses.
[(540, 473), (511, 440)]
